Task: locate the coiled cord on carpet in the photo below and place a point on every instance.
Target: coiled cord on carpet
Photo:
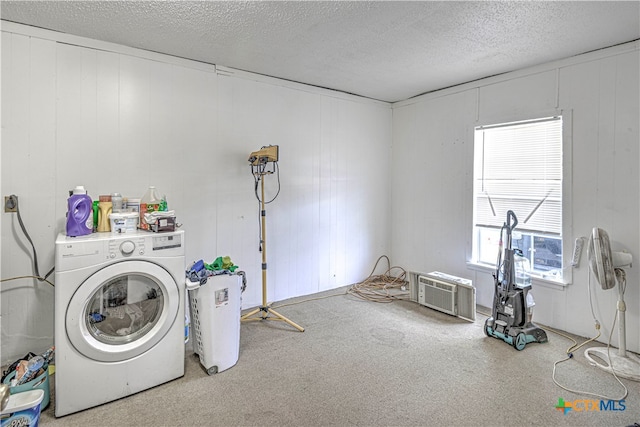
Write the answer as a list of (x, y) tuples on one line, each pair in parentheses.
[(384, 287), (380, 288)]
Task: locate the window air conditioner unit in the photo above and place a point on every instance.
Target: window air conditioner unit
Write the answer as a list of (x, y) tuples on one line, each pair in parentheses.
[(450, 294)]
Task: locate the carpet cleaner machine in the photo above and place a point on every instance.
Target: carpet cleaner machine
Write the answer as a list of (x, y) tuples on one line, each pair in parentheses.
[(512, 303)]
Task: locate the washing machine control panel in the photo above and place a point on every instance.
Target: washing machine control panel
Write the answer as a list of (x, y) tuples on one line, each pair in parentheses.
[(127, 247), (119, 248), (166, 241), (97, 248)]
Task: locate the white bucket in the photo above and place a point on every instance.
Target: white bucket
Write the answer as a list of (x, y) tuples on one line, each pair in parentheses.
[(124, 222), (23, 409)]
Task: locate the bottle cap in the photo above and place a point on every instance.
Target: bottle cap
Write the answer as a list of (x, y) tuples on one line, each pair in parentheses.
[(79, 190)]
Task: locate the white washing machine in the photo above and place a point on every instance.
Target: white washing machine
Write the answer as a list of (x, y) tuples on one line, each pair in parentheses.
[(119, 316)]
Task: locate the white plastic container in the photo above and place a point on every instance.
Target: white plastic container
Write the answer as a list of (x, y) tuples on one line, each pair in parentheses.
[(124, 222), (23, 409), (133, 205), (215, 321)]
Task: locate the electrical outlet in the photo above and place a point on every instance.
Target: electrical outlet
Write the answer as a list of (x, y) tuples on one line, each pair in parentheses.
[(577, 251), (10, 204)]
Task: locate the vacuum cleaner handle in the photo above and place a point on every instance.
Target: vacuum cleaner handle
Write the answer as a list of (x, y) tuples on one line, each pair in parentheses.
[(511, 216)]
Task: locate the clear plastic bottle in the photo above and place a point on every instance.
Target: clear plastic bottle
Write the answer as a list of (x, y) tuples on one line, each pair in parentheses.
[(116, 202), (48, 355), (150, 202), (523, 270)]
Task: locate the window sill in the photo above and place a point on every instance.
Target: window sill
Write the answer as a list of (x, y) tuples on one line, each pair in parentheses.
[(536, 280)]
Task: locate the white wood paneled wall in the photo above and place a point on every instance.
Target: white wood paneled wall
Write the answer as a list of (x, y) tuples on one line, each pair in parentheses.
[(331, 217), (432, 176), (114, 121)]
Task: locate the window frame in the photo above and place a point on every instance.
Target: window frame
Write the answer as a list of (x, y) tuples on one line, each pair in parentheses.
[(567, 185)]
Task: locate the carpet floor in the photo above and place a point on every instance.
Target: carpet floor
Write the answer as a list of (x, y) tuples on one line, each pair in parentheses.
[(372, 364)]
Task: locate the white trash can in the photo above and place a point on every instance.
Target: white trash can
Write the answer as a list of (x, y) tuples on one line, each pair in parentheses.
[(215, 320)]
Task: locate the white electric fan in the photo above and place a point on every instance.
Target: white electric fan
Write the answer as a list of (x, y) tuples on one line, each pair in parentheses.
[(606, 267)]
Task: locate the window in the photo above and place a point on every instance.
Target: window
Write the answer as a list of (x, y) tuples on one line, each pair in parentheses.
[(518, 167)]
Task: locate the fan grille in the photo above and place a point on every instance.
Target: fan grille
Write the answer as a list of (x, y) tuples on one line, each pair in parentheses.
[(600, 259)]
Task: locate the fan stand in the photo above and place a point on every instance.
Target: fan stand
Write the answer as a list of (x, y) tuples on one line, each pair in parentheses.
[(623, 364), (265, 309)]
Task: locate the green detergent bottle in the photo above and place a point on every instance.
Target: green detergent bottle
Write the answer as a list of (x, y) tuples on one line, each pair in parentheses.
[(95, 214)]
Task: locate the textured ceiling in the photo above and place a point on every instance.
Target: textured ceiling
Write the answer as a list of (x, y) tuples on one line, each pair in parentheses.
[(389, 51)]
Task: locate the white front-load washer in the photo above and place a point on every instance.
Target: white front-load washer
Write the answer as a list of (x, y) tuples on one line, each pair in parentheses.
[(119, 316)]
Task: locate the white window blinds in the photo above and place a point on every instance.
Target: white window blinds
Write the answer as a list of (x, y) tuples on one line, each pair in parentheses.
[(518, 167)]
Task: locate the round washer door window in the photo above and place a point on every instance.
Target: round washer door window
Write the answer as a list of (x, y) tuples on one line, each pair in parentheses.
[(122, 311)]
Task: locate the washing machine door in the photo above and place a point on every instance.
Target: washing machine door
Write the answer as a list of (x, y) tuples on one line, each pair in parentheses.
[(122, 310)]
